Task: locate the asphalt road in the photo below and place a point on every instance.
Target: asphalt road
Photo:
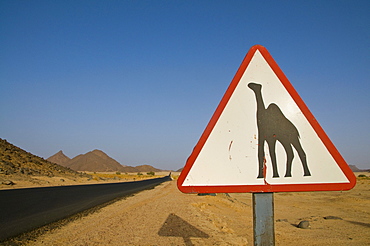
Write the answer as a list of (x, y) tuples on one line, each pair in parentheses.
[(22, 210)]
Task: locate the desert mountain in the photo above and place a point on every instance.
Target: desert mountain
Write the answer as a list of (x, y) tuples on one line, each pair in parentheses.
[(16, 161), (98, 161), (147, 168), (94, 161), (356, 169), (130, 169), (59, 158)]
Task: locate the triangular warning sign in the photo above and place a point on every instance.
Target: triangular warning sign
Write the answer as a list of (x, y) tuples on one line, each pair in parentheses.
[(263, 138)]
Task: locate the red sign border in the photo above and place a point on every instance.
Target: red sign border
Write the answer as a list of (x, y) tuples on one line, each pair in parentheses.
[(266, 187)]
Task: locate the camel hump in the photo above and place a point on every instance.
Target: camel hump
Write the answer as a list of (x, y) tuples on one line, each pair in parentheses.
[(274, 110), (277, 116)]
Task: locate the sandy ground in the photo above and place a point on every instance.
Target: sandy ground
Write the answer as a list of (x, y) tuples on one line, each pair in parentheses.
[(165, 216)]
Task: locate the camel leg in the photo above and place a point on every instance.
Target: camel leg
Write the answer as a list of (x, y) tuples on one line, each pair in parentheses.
[(261, 157), (302, 155), (289, 159), (272, 149)]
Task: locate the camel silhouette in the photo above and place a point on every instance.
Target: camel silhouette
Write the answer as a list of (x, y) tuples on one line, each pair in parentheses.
[(274, 126)]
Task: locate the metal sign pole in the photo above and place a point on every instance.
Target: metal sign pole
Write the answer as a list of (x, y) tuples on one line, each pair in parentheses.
[(263, 219)]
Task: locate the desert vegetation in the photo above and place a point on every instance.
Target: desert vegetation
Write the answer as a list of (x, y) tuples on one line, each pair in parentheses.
[(124, 176)]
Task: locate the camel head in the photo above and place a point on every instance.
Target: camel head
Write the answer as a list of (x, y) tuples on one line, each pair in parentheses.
[(255, 87)]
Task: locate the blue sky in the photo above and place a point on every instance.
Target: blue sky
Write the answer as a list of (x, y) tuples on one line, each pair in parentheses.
[(141, 79)]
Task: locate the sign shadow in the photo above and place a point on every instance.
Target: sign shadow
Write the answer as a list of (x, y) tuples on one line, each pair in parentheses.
[(174, 226)]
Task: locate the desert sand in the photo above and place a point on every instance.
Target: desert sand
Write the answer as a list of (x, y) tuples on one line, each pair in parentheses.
[(165, 216), (31, 181)]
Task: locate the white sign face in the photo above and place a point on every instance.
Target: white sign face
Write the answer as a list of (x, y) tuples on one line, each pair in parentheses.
[(262, 138)]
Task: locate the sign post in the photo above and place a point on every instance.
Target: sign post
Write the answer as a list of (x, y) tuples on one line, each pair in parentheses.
[(263, 219), (262, 138)]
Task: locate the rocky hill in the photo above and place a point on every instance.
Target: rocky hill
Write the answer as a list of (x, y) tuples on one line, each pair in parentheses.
[(147, 168), (94, 161), (14, 161), (356, 169), (130, 169), (59, 158), (98, 161)]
